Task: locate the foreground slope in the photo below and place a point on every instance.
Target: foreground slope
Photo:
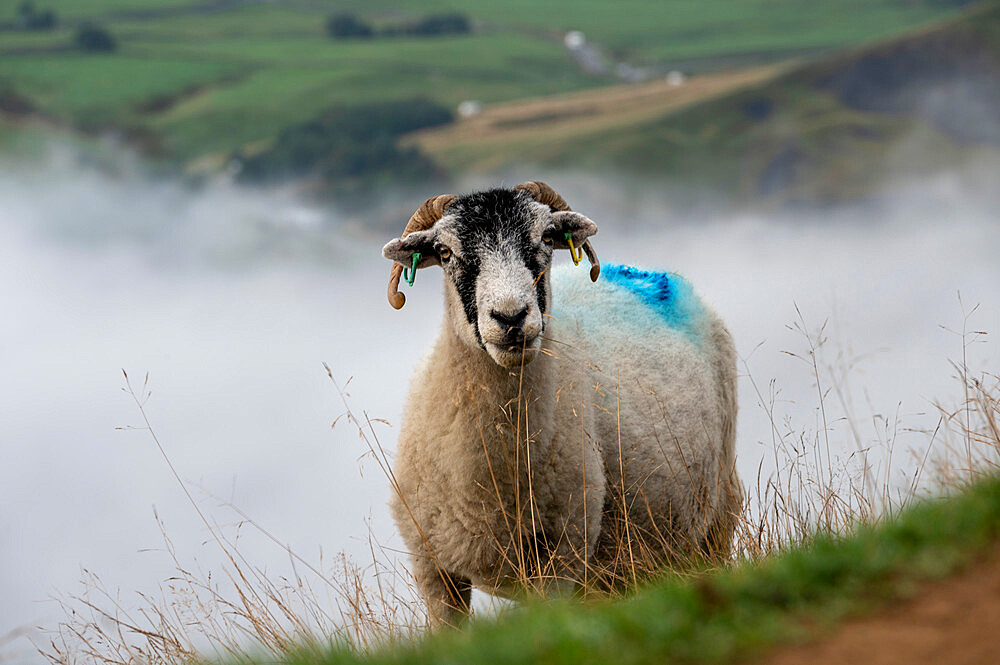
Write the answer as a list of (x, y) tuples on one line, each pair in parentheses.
[(733, 614), (952, 621)]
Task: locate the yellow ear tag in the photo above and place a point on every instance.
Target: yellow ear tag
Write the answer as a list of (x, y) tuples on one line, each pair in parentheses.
[(576, 254)]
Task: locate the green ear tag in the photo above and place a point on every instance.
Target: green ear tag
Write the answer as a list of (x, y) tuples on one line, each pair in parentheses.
[(411, 274)]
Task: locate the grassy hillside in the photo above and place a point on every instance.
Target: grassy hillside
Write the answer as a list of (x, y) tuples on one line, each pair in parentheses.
[(735, 614), (828, 131), (195, 81)]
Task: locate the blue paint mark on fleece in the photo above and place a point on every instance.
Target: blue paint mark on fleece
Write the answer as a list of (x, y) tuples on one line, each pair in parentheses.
[(669, 294)]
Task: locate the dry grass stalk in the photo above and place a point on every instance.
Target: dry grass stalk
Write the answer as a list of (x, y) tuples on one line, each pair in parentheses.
[(811, 489)]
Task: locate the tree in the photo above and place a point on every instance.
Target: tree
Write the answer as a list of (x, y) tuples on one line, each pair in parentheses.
[(29, 18), (441, 24), (348, 26), (91, 37), (352, 148)]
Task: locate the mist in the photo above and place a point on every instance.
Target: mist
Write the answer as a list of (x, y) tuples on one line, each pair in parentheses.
[(231, 300)]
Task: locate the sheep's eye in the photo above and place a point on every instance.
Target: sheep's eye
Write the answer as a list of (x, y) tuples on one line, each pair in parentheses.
[(444, 253), (547, 238)]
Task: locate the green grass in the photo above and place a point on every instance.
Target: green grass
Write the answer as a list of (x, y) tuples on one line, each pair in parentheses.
[(256, 20), (296, 85), (733, 614), (91, 8), (658, 31), (242, 73), (678, 29), (96, 86), (720, 149), (28, 142)]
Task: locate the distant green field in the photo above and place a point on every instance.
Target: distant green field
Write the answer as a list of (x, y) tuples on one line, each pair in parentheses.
[(207, 78), (798, 137), (85, 8), (97, 86)]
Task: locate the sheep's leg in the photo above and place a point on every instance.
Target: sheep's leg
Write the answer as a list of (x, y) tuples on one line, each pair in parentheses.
[(448, 596), (719, 541)]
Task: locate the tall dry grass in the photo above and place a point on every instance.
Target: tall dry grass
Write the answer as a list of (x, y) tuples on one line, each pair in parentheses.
[(827, 478)]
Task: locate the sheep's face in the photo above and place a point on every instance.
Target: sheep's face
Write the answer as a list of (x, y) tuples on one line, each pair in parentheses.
[(495, 248)]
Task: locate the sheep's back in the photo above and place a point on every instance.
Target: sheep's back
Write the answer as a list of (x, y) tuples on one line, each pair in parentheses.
[(645, 336), (644, 309), (655, 353)]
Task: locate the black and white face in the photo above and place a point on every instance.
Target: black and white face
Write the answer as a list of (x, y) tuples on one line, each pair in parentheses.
[(495, 248)]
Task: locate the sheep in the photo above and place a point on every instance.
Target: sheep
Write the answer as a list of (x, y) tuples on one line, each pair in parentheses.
[(557, 429)]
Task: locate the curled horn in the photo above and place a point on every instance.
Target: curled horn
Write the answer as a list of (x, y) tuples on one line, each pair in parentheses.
[(426, 216), (595, 265), (545, 194)]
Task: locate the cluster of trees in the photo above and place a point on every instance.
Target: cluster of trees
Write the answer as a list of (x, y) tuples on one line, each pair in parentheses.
[(350, 148), (30, 17), (94, 38), (349, 26), (89, 37)]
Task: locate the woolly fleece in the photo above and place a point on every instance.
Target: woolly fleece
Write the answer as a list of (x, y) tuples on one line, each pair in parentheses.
[(631, 406)]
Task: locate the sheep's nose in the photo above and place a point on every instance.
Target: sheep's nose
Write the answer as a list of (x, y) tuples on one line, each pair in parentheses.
[(508, 320)]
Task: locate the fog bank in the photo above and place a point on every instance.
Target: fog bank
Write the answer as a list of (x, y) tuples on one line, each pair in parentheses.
[(231, 300)]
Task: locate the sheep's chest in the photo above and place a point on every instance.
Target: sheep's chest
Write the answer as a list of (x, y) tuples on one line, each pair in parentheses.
[(487, 533), (474, 515)]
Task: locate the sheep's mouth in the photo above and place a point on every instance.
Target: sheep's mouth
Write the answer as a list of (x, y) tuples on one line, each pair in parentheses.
[(512, 354)]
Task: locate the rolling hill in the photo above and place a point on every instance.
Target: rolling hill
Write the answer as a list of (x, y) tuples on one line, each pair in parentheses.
[(834, 129), (193, 82)]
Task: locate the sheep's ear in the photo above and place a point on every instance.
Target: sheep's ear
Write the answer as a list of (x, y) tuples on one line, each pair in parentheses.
[(401, 249), (573, 223)]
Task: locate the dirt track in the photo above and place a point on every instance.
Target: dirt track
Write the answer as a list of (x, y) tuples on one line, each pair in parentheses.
[(575, 114), (955, 622)]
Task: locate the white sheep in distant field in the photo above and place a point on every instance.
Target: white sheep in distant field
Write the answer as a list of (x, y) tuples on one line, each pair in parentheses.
[(557, 428)]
